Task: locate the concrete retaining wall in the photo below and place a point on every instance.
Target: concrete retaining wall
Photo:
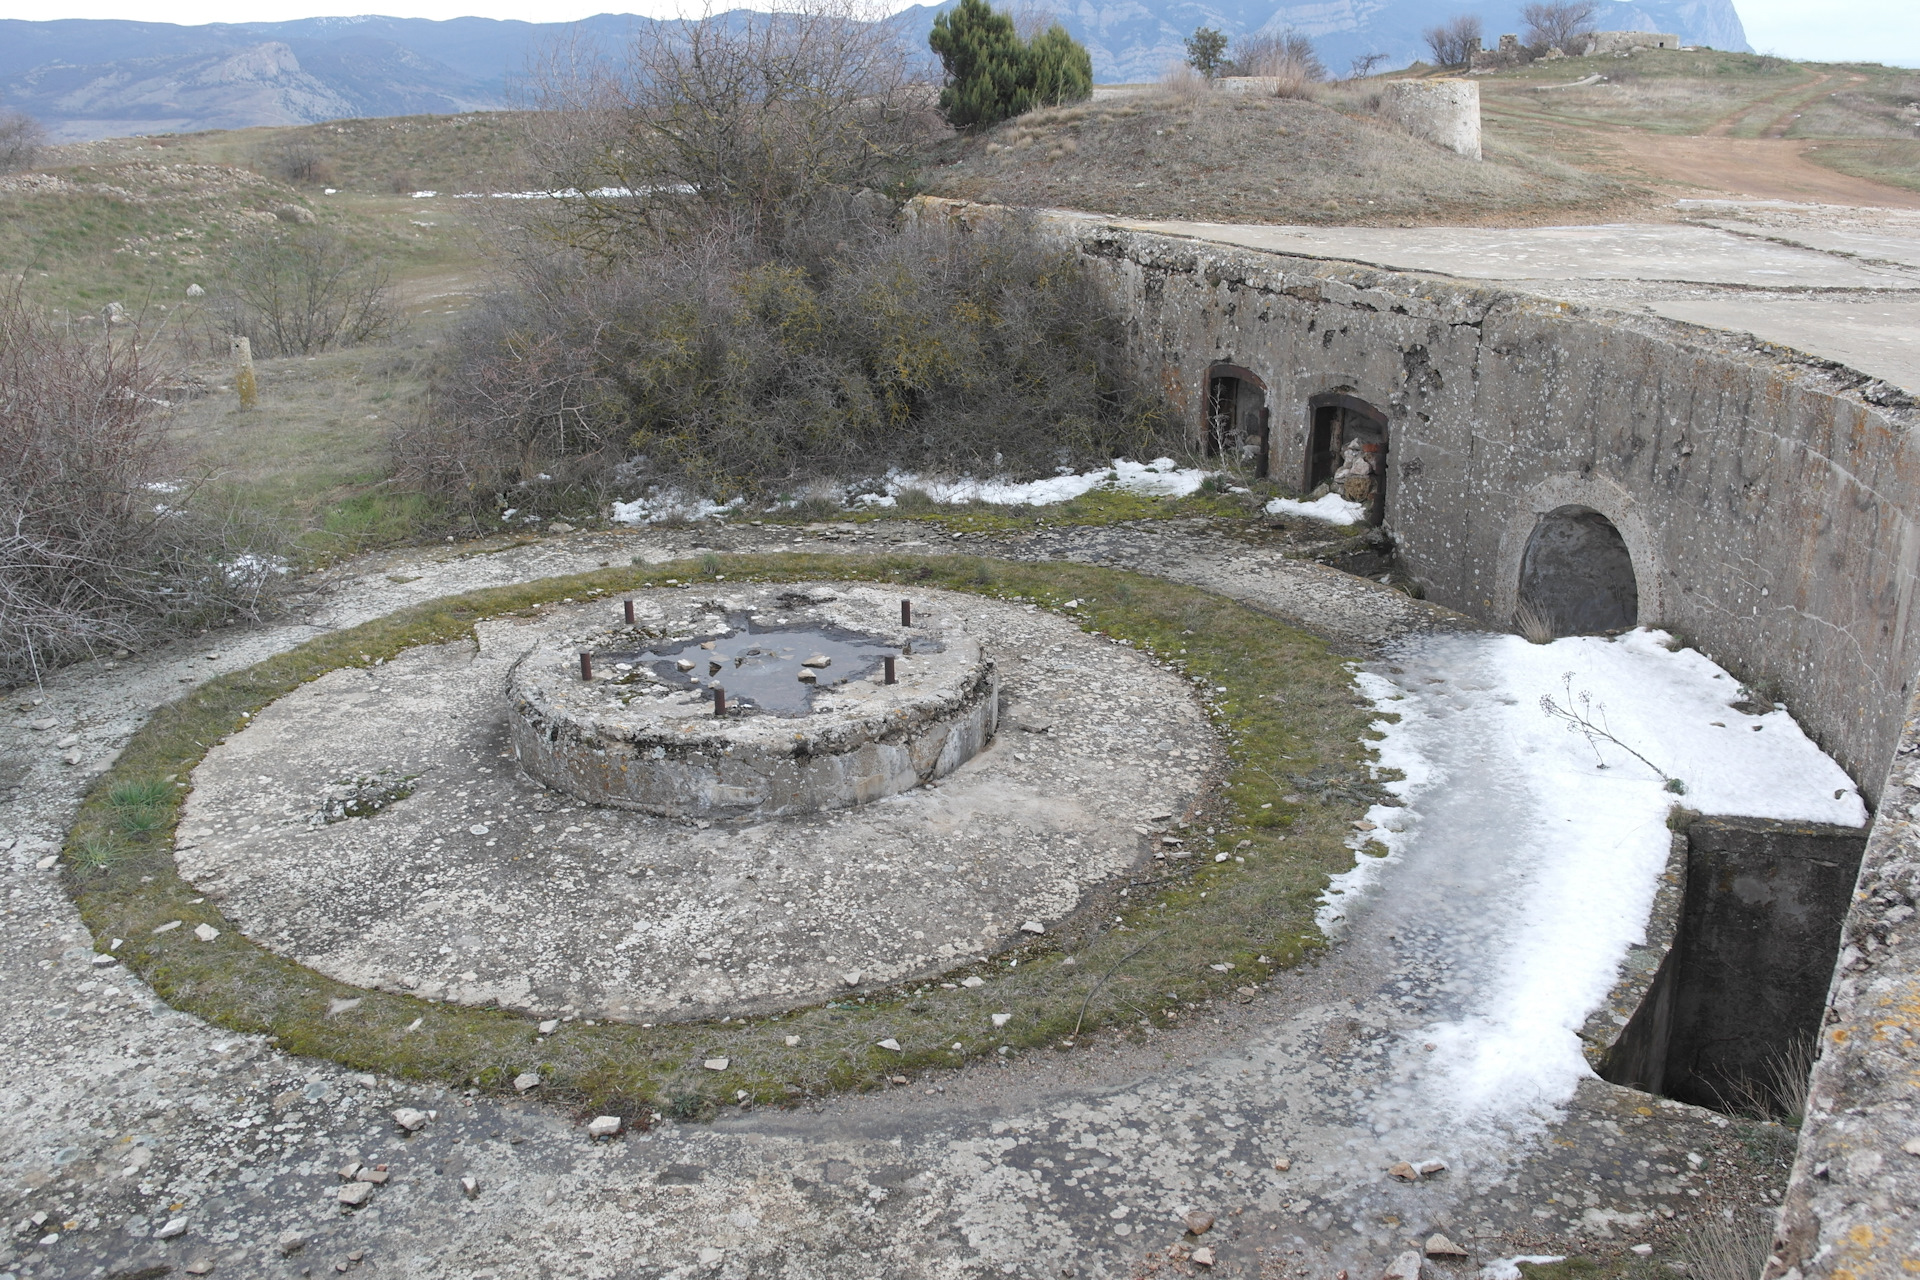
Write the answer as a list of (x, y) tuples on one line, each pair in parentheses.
[(1767, 499)]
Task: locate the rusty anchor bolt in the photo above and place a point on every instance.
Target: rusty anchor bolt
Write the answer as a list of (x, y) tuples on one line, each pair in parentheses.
[(889, 664), (586, 666), (719, 701), (906, 613), (629, 605)]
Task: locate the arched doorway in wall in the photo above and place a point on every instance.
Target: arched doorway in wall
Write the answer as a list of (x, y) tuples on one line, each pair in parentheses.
[(1239, 425), (1577, 574), (1347, 451)]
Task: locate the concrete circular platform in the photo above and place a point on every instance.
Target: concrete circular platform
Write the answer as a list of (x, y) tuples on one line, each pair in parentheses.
[(374, 825), (773, 701)]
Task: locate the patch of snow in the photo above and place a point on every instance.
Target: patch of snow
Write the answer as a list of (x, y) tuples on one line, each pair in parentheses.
[(1527, 855), (251, 567), (425, 195), (669, 504), (1330, 507), (1162, 476), (570, 193), (1509, 1268)]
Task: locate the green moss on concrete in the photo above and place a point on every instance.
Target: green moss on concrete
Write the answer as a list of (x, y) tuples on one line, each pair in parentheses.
[(1294, 728)]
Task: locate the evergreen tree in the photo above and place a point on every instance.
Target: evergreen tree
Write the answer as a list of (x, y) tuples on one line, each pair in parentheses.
[(1207, 51), (992, 74), (1059, 68)]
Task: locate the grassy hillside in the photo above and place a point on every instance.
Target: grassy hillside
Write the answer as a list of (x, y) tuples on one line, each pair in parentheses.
[(1859, 118), (1238, 158)]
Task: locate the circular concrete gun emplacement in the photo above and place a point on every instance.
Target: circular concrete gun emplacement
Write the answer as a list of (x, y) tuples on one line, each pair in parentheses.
[(775, 701), (377, 823)]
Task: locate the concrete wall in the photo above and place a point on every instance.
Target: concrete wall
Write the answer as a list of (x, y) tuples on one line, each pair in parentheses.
[(1853, 1205), (1767, 499), (1745, 985), (1444, 112), (1628, 41)]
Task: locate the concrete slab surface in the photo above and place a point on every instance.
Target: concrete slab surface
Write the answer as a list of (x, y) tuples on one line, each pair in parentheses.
[(1879, 336), (1694, 254)]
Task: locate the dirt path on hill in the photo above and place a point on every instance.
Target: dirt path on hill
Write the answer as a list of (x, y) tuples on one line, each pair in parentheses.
[(1770, 168)]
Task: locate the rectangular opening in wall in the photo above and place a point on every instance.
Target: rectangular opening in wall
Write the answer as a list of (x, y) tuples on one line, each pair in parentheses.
[(1731, 1019)]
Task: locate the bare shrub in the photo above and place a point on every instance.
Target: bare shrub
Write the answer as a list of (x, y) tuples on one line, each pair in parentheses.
[(298, 290), (21, 139), (725, 368), (101, 546), (743, 118), (1182, 82), (1288, 59), (1557, 24), (1454, 42), (299, 161)]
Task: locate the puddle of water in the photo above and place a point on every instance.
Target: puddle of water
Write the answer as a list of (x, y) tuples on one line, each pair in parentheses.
[(760, 667)]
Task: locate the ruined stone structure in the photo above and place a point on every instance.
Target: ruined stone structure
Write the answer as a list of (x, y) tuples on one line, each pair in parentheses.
[(1444, 112), (1602, 42), (1754, 501)]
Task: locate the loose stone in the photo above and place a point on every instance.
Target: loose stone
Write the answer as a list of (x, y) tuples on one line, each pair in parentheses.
[(717, 1064), (1405, 1267), (205, 932), (604, 1126), (526, 1080), (1438, 1246), (409, 1119), (355, 1194), (1199, 1222), (173, 1227)]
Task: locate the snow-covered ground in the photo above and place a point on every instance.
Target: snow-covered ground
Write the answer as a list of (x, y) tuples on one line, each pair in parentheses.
[(1525, 860), (1162, 476), (1330, 507)]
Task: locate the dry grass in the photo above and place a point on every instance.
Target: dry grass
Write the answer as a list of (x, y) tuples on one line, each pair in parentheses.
[(1716, 1249), (1253, 158), (1533, 623), (1896, 163)]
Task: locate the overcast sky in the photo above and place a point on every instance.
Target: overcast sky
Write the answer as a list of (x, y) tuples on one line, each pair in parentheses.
[(1837, 30)]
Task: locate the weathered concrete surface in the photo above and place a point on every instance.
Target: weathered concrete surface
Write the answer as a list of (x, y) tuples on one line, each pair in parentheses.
[(1853, 1208), (1647, 252), (1029, 1169), (1876, 334), (1444, 112), (1842, 284), (481, 885), (630, 740), (1741, 477)]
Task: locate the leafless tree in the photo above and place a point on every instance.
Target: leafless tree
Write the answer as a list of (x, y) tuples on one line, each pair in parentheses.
[(101, 543), (1289, 58), (1454, 42), (21, 139), (1362, 65), (298, 290), (739, 119), (1557, 24)]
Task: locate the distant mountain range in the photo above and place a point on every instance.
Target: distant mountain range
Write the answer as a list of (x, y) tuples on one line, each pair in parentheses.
[(87, 78)]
